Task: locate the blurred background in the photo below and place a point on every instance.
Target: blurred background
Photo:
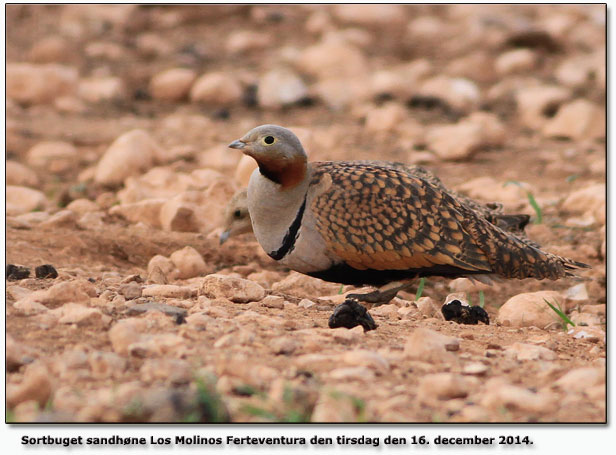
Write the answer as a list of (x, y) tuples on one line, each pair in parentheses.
[(118, 120)]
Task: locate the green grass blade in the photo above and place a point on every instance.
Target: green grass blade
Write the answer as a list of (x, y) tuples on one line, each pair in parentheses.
[(420, 288), (538, 211), (481, 299), (563, 316)]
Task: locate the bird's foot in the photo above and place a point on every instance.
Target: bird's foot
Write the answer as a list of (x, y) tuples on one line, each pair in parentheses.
[(350, 314), (464, 314)]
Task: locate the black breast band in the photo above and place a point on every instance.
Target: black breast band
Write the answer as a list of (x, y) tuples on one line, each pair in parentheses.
[(288, 243)]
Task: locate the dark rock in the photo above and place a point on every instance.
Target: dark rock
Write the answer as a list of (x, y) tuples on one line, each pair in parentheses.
[(17, 272), (533, 39), (46, 271), (350, 314), (463, 313)]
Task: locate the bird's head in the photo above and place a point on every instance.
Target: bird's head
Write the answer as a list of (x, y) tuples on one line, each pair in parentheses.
[(237, 218), (277, 151)]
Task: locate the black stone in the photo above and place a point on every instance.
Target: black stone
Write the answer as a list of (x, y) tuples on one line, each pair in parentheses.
[(46, 271), (16, 272), (464, 314), (350, 314)]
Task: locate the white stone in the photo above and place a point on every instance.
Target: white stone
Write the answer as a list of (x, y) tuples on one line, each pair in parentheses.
[(428, 345), (530, 309), (592, 334), (370, 359), (162, 264), (525, 351), (577, 292), (167, 290), (146, 211), (189, 263), (218, 89), (341, 93), (352, 374), (280, 87), (36, 385), (454, 142), (50, 49), (171, 371), (176, 215), (63, 219), (498, 394), (300, 285), (385, 119), (589, 200), (475, 368), (235, 289), (332, 59), (463, 139), (37, 84), (126, 332), (21, 199), (81, 206), (19, 175), (99, 89), (173, 84), (306, 303), (575, 71), (428, 306), (74, 313), (106, 364), (53, 156), (246, 41), (516, 61), (459, 93), (513, 196), (399, 81), (130, 154), (444, 386), (581, 379), (577, 120), (534, 101)]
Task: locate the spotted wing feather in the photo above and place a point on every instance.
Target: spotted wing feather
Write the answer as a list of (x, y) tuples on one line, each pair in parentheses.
[(377, 217)]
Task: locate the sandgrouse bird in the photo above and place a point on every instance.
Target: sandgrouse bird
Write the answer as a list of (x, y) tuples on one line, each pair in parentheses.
[(237, 218), (378, 224)]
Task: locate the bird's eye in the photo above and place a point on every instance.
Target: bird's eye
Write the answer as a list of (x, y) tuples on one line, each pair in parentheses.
[(269, 140), (237, 213)]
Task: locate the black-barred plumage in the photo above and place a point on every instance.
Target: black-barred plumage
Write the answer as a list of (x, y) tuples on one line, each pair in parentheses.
[(369, 222), (385, 218)]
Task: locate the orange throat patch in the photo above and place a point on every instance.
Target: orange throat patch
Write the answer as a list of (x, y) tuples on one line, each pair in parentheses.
[(287, 174)]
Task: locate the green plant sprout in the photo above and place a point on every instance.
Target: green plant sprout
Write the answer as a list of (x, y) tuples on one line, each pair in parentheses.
[(531, 200), (420, 288), (565, 319)]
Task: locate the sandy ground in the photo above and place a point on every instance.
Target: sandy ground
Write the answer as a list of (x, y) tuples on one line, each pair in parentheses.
[(279, 361)]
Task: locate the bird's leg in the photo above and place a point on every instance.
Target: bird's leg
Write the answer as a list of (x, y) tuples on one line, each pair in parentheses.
[(383, 295)]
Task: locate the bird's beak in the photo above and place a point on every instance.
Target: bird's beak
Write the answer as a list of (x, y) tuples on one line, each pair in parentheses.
[(224, 237), (239, 144)]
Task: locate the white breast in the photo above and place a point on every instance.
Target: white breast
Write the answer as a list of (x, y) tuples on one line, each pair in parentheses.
[(272, 212)]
